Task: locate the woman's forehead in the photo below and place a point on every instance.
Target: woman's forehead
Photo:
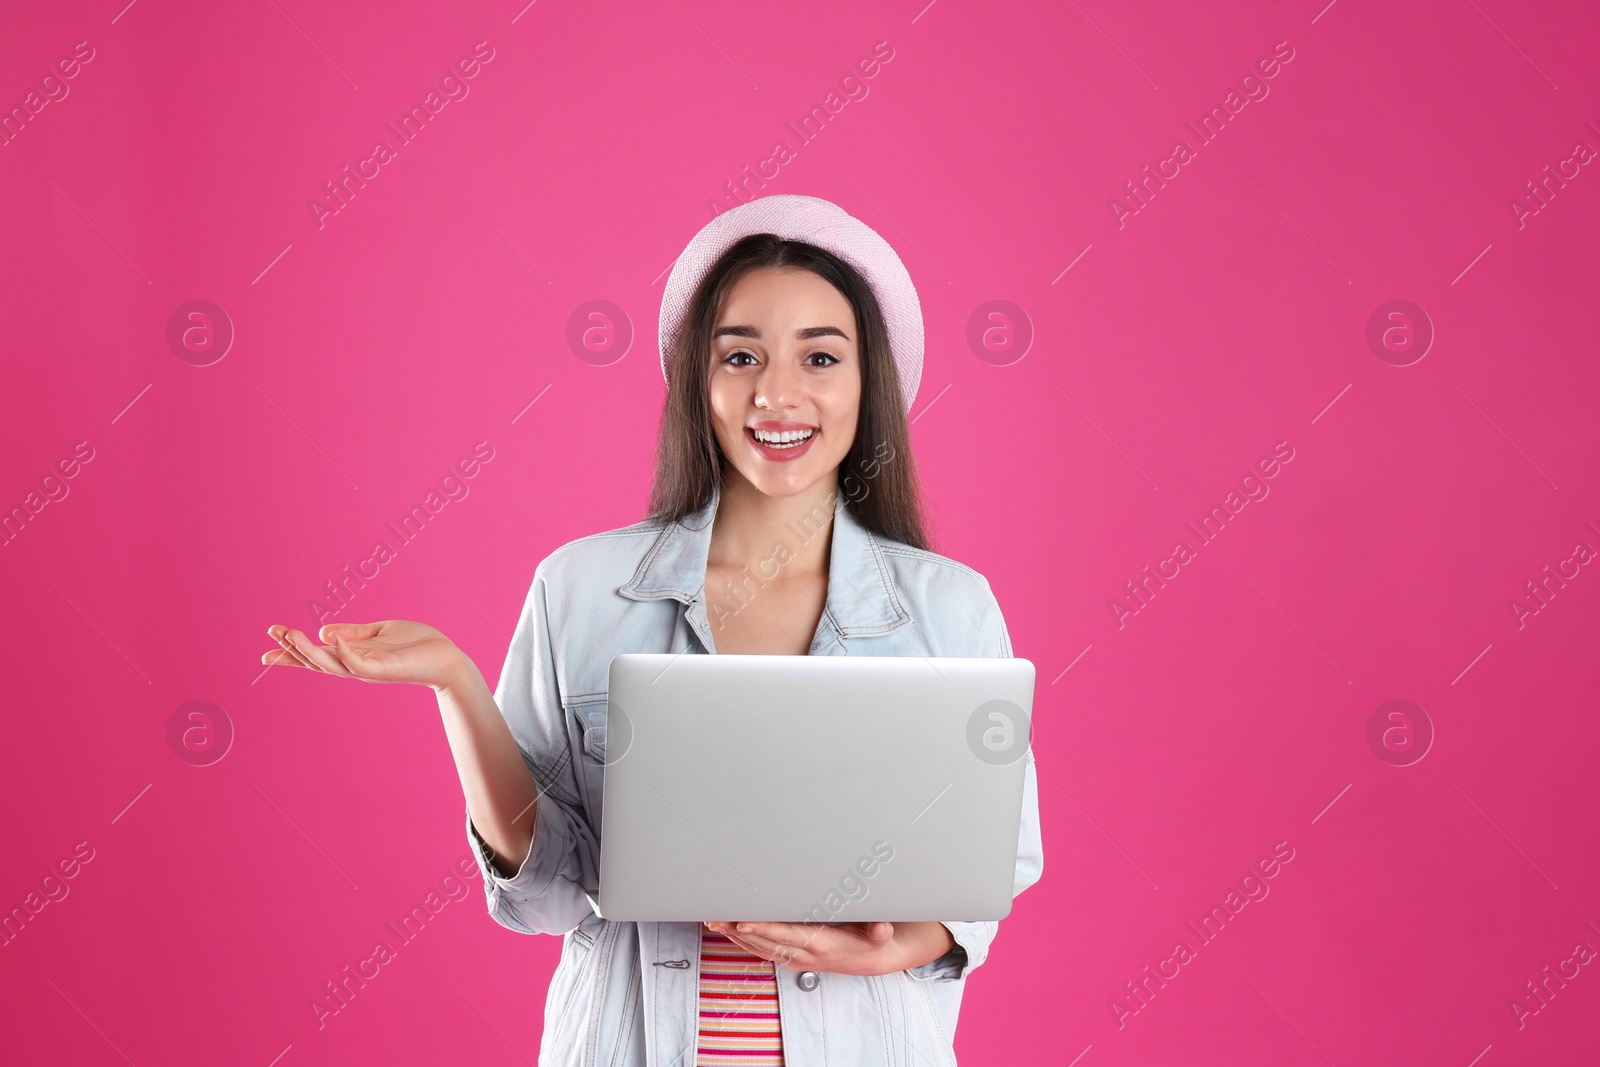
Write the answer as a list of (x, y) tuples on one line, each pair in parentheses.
[(773, 295)]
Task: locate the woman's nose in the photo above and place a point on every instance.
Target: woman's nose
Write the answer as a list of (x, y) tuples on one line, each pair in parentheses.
[(778, 387)]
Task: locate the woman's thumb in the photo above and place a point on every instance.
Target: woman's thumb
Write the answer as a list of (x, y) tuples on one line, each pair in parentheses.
[(353, 630), (342, 649)]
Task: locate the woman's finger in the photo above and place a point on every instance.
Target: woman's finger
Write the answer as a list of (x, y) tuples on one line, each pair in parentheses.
[(319, 657), (288, 653), (368, 664), (809, 932), (744, 942), (790, 934), (300, 657), (765, 947), (352, 631), (280, 657), (802, 937)]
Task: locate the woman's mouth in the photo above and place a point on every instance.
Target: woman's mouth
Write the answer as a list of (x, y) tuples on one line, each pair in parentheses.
[(781, 444)]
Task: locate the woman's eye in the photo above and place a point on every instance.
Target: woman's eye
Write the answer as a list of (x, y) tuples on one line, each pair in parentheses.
[(742, 358)]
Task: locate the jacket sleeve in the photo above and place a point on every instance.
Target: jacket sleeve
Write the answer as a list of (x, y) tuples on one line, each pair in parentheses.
[(972, 939), (546, 895)]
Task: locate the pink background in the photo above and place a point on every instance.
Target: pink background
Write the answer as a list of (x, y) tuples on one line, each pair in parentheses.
[(1228, 314)]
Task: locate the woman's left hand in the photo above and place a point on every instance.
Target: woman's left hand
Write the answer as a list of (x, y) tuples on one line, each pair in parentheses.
[(851, 948)]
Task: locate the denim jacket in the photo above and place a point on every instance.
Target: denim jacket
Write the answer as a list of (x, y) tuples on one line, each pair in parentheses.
[(626, 993)]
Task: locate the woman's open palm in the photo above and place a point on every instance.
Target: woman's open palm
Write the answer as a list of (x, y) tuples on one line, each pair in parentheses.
[(390, 651)]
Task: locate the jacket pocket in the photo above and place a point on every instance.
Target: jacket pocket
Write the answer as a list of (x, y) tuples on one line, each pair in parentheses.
[(587, 720), (589, 715)]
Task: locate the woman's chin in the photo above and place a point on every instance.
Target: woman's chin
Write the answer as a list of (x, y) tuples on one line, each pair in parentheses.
[(787, 482)]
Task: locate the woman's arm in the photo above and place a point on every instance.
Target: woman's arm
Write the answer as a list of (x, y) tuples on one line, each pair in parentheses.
[(550, 848), (499, 787), (512, 747), (922, 942), (501, 793)]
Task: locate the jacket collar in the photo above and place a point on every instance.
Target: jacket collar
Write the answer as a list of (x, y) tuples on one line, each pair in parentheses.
[(862, 599)]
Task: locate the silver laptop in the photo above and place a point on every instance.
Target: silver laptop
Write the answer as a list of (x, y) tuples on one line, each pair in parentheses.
[(812, 788)]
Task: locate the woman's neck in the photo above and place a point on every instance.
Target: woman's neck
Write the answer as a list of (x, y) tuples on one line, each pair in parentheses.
[(750, 525)]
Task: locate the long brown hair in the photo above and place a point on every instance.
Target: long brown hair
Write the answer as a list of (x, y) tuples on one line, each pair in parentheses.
[(878, 478)]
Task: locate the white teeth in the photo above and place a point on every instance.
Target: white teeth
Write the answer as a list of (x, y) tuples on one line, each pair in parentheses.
[(783, 438)]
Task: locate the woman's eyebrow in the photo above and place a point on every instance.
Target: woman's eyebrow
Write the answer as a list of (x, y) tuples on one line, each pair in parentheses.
[(804, 334)]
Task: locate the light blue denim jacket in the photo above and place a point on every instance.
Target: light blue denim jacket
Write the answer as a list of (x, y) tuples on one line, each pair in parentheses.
[(626, 993)]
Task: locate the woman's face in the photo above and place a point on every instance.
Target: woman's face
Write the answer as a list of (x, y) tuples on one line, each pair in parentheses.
[(785, 379)]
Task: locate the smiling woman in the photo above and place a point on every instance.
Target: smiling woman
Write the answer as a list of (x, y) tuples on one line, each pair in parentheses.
[(779, 376), (791, 340)]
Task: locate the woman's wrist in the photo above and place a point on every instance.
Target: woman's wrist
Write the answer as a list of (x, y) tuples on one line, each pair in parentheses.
[(927, 941), (461, 674)]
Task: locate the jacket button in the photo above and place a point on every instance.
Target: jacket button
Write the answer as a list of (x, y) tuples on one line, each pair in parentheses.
[(806, 980)]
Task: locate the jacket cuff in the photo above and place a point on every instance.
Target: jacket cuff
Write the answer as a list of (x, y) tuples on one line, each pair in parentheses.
[(538, 869), (950, 966)]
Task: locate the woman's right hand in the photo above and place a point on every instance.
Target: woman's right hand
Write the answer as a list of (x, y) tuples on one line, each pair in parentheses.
[(390, 651)]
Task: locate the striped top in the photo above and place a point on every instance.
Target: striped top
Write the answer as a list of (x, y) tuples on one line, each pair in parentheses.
[(738, 1006)]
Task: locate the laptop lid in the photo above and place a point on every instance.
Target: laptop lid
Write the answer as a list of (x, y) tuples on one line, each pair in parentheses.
[(812, 788)]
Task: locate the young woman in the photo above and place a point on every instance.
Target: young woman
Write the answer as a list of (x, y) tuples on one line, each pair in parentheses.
[(785, 518)]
